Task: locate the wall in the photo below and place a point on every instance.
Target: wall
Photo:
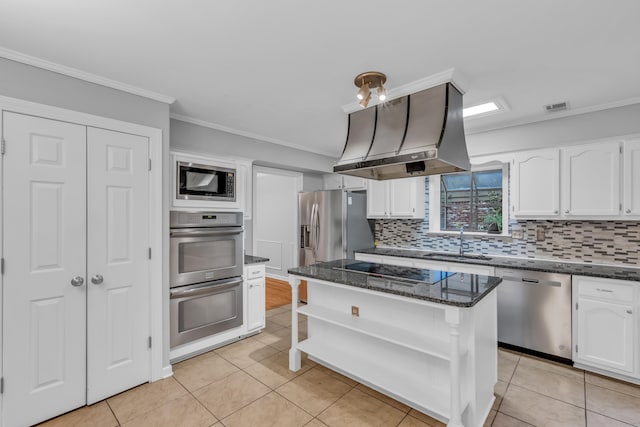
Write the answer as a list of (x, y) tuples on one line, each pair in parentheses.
[(45, 87), (199, 139), (602, 242)]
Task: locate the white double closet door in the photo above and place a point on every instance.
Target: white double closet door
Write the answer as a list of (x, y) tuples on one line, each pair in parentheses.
[(75, 309)]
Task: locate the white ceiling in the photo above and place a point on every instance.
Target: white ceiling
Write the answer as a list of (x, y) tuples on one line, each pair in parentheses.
[(282, 69)]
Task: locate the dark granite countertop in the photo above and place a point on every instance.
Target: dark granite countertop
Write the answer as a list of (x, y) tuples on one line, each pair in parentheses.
[(580, 269), (250, 259), (459, 289)]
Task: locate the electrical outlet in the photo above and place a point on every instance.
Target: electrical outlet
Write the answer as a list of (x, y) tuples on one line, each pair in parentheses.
[(355, 311), (540, 235), (517, 234)]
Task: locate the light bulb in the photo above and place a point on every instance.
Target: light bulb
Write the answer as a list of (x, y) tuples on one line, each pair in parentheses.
[(382, 93), (364, 92)]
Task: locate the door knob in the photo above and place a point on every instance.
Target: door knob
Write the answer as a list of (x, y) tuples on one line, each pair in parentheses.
[(97, 279), (77, 281), (628, 211)]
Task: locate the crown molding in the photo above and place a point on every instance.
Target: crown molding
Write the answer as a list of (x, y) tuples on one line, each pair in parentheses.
[(82, 75), (558, 115), (251, 135), (446, 76)]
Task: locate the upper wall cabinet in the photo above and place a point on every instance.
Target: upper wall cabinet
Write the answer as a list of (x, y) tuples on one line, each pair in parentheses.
[(591, 180), (631, 181), (535, 176), (396, 198), (335, 181)]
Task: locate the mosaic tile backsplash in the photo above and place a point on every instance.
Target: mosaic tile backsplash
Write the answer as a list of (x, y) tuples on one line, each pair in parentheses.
[(602, 242)]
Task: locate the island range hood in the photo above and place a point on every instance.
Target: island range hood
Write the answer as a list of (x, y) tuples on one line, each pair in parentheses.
[(415, 135)]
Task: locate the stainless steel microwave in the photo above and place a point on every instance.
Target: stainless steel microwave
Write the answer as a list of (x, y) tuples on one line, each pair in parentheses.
[(205, 182)]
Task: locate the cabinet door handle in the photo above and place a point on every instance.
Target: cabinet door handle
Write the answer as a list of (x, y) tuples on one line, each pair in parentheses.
[(604, 290), (629, 311), (628, 211), (555, 212), (566, 211)]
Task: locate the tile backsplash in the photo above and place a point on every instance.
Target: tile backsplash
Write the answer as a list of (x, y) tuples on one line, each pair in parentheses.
[(602, 242)]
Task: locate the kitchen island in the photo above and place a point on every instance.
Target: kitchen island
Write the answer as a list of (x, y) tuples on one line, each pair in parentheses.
[(426, 338)]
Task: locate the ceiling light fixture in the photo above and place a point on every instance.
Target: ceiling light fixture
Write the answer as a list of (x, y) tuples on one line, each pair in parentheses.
[(480, 109), (368, 80)]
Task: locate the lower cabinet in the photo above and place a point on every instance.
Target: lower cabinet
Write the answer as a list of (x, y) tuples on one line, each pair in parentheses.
[(255, 290), (605, 325)]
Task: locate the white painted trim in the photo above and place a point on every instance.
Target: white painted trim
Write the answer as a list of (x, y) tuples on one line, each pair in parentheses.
[(258, 137), (82, 75), (158, 371), (445, 76), (558, 115)]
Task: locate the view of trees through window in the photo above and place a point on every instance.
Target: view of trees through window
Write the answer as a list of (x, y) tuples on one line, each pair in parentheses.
[(472, 200)]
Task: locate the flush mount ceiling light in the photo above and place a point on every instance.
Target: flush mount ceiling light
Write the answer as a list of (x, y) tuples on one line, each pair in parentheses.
[(480, 109), (367, 81)]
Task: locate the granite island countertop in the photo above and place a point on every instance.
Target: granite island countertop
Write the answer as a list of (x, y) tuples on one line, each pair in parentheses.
[(579, 269), (458, 289), (250, 259)]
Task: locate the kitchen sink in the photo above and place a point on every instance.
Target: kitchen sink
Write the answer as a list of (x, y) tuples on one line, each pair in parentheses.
[(445, 256)]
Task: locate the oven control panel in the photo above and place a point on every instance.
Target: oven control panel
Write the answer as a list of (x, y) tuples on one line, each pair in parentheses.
[(182, 219)]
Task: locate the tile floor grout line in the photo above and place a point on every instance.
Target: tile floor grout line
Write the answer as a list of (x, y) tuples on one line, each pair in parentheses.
[(584, 377), (111, 409)]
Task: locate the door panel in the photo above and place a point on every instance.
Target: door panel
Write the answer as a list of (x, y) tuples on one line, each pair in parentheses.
[(118, 242), (44, 316)]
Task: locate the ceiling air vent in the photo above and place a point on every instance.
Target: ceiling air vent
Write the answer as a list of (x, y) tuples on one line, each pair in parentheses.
[(553, 108)]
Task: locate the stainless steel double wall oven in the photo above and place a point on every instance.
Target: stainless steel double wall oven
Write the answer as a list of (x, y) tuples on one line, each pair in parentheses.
[(205, 274)]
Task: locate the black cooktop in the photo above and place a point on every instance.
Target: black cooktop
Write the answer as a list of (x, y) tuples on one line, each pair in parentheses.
[(417, 275)]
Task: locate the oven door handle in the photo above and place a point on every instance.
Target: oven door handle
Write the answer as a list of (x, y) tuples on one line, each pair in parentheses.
[(202, 288), (216, 232)]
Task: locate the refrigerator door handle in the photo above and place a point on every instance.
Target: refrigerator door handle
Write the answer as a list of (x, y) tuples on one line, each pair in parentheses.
[(312, 233), (317, 228)]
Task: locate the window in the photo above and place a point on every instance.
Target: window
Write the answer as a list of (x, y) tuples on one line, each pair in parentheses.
[(472, 200)]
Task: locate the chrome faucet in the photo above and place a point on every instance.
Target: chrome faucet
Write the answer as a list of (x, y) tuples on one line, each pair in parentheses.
[(461, 241)]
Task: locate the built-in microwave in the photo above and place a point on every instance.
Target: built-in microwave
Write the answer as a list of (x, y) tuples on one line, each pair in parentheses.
[(195, 181)]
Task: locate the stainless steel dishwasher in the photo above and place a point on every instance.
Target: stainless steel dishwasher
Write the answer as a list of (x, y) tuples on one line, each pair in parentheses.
[(534, 311)]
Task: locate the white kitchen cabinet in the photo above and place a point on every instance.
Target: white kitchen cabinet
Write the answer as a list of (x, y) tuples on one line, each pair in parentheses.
[(605, 322), (335, 181), (255, 303), (631, 178), (245, 187), (590, 177), (536, 184), (396, 198)]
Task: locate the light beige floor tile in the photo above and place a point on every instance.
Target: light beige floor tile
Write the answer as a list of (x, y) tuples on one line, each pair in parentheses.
[(616, 405), (538, 409), (613, 384), (246, 352), (315, 423), (283, 319), (357, 408), (559, 385), (231, 393), (386, 399), (274, 370), (271, 327), (279, 339), (506, 365), (197, 373), (498, 391), (184, 411), (276, 311), (337, 375), (410, 421), (144, 398), (502, 420), (556, 368), (98, 415), (314, 391), (270, 410), (598, 420), (426, 418), (490, 418)]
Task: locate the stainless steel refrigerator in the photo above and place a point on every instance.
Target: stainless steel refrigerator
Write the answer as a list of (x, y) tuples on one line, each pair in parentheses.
[(333, 224)]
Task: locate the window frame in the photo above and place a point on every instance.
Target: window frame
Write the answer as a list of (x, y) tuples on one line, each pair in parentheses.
[(434, 202)]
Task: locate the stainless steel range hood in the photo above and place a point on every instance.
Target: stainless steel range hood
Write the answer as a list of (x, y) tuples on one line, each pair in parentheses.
[(416, 135)]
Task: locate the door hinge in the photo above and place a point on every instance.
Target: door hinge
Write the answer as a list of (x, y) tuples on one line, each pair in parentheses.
[(150, 342), (621, 149), (1, 265), (576, 348), (576, 306), (620, 207), (149, 253), (2, 385), (2, 146), (149, 164)]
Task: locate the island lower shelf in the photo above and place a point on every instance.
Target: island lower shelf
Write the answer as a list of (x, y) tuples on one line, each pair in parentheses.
[(439, 359)]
